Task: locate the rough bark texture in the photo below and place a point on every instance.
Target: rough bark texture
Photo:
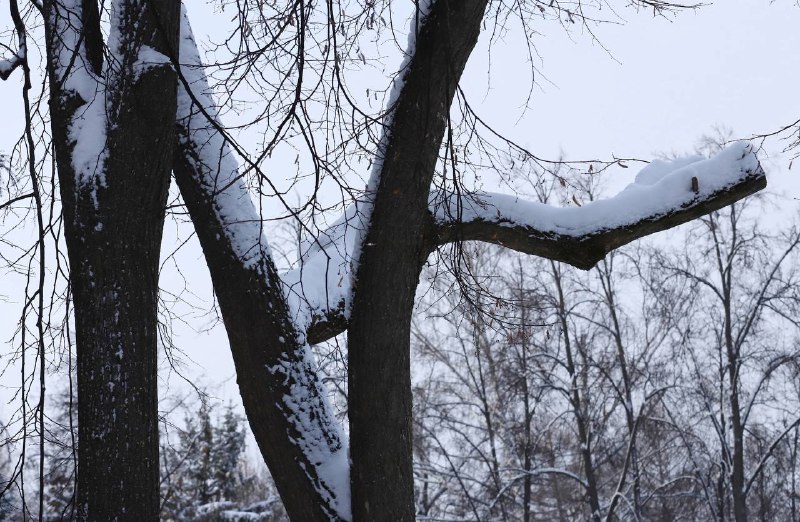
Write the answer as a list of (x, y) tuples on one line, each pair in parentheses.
[(261, 336), (395, 248), (113, 234)]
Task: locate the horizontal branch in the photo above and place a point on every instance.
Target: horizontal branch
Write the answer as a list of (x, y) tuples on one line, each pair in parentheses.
[(664, 195)]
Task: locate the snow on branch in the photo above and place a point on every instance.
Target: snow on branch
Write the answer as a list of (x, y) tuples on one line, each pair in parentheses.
[(212, 159), (319, 290), (665, 194), (8, 65)]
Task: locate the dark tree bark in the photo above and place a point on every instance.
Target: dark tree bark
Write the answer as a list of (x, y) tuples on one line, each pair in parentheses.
[(113, 217), (398, 241)]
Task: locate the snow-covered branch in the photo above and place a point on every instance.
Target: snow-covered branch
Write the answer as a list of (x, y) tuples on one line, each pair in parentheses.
[(7, 65), (277, 374), (664, 195), (17, 59)]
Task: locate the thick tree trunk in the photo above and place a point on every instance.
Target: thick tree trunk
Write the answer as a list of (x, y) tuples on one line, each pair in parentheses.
[(113, 226), (399, 239)]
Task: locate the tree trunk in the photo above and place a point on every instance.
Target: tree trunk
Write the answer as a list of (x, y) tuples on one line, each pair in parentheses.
[(737, 429), (113, 226), (579, 408), (398, 241)]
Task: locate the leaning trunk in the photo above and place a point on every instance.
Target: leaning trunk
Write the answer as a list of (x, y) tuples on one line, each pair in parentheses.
[(281, 392)]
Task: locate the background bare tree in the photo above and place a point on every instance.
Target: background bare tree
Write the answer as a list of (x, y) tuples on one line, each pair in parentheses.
[(627, 371)]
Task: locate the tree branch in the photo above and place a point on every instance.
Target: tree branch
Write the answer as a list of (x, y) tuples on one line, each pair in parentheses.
[(8, 65), (281, 391), (582, 236)]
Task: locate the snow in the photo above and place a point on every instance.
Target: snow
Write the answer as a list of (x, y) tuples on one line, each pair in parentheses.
[(323, 281), (88, 133), (319, 436), (660, 188), (657, 169), (87, 130), (147, 59), (8, 64), (215, 160)]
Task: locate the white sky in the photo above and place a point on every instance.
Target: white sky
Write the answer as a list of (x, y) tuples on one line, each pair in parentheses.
[(658, 87)]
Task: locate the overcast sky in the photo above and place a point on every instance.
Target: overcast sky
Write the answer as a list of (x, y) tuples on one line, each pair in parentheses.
[(650, 85)]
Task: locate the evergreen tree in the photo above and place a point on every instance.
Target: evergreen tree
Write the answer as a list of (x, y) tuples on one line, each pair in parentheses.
[(227, 451), (60, 457), (204, 475)]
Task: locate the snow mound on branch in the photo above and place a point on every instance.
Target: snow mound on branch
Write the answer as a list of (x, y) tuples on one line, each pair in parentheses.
[(657, 169), (322, 278), (660, 188)]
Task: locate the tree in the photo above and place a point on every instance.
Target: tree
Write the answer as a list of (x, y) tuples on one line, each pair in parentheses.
[(130, 104), (745, 283), (627, 370), (60, 468), (203, 470), (9, 501)]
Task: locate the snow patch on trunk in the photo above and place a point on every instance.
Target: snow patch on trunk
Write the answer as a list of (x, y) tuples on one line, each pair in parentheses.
[(328, 454), (88, 129)]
